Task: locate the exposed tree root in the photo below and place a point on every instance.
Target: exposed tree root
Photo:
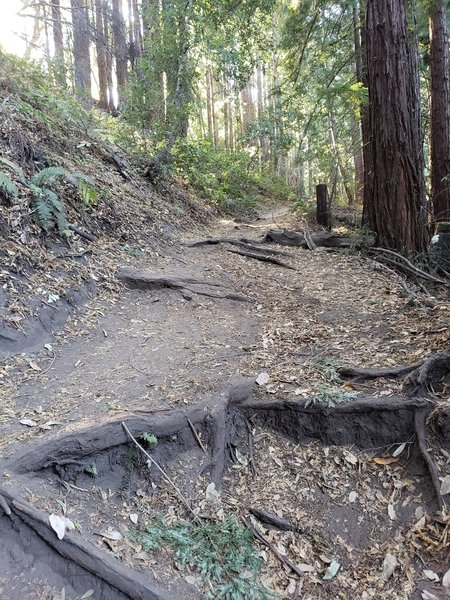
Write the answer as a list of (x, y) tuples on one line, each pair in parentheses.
[(269, 259), (429, 374), (144, 280), (419, 377), (420, 427), (371, 422), (284, 237), (241, 242), (73, 547), (363, 374)]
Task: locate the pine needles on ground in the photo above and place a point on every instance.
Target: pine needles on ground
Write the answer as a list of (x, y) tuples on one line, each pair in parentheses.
[(222, 553)]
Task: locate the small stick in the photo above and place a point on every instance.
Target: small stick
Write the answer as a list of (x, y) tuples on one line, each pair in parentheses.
[(5, 506), (161, 470), (298, 589), (250, 449), (197, 438), (50, 366), (266, 542), (136, 368)]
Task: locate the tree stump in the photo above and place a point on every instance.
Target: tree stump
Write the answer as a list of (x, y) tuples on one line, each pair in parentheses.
[(323, 213)]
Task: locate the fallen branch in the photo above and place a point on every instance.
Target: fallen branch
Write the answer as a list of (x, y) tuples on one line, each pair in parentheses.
[(409, 266), (196, 436), (273, 520), (288, 563), (420, 427), (161, 470), (269, 259), (324, 239), (81, 233)]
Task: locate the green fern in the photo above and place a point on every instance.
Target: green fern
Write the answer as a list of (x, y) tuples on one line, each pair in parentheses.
[(42, 177), (8, 186), (13, 166), (48, 209)]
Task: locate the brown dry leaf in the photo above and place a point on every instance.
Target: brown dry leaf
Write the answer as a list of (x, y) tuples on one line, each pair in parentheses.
[(385, 460)]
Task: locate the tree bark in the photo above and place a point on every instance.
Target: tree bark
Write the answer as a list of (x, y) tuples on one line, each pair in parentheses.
[(81, 56), (396, 193), (101, 50), (440, 111), (323, 215), (58, 41), (209, 106), (120, 45), (358, 126)]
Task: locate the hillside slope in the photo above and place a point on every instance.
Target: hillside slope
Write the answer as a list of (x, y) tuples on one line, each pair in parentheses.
[(118, 217)]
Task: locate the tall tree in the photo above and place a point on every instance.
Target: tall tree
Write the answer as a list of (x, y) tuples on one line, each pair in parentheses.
[(395, 199), (102, 61), (58, 41), (81, 55), (120, 45), (440, 111)]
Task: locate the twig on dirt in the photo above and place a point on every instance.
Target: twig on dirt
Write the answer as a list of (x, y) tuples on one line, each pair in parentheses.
[(5, 506), (420, 427), (81, 233), (269, 545), (253, 468), (262, 258), (50, 365), (161, 470), (273, 520), (136, 368), (298, 589), (410, 266), (197, 437)]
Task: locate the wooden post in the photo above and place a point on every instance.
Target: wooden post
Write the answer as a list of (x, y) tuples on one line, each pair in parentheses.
[(323, 214)]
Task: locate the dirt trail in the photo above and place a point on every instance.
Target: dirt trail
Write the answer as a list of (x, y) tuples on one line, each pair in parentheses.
[(161, 349)]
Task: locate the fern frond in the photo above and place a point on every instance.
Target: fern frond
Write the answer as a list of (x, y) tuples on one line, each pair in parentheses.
[(88, 194), (42, 177), (13, 166), (7, 185), (42, 210), (57, 209), (81, 177)]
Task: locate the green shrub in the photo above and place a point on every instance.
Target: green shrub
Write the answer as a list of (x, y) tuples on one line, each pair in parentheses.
[(227, 179), (221, 553)]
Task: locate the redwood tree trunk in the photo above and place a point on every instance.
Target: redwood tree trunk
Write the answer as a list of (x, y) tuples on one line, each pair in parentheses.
[(58, 41), (81, 56), (120, 44), (440, 112), (101, 48), (395, 201)]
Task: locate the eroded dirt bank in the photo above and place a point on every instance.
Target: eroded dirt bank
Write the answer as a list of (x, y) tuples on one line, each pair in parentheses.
[(126, 356)]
